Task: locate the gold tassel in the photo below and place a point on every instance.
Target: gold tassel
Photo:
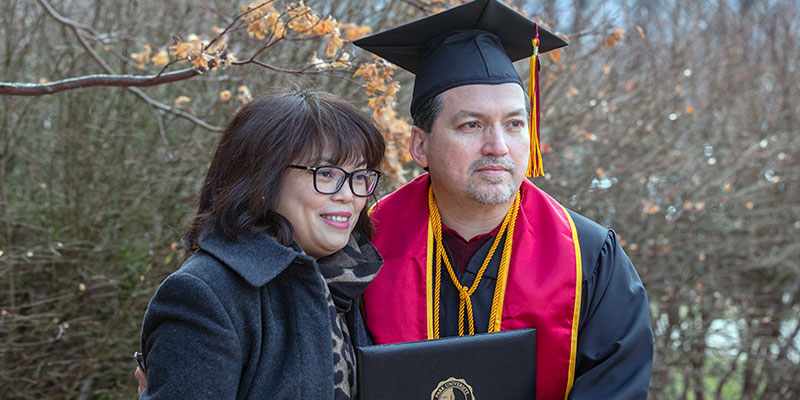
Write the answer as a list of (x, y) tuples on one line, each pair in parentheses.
[(535, 164)]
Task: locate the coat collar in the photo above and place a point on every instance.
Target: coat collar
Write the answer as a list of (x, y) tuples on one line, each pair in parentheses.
[(257, 258)]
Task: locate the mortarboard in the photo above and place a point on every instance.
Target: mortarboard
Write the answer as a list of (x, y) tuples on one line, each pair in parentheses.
[(474, 43)]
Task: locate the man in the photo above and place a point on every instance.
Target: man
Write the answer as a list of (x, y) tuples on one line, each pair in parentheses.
[(472, 246)]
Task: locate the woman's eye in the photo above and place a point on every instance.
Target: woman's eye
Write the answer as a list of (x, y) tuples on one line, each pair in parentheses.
[(325, 174)]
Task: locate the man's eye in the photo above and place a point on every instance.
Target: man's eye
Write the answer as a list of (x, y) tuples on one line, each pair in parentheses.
[(471, 125), (517, 124)]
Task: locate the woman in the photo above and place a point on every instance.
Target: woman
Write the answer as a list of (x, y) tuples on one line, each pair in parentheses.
[(267, 305)]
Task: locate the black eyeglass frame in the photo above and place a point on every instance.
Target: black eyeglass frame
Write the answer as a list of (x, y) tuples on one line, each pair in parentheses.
[(348, 176)]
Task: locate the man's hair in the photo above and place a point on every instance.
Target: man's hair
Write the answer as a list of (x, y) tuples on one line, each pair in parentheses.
[(427, 113), (241, 189)]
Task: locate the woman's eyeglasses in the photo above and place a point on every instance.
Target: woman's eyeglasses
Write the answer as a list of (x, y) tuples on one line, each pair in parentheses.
[(329, 179)]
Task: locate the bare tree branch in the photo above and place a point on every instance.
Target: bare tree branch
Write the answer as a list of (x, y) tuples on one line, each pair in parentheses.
[(133, 82), (118, 80), (110, 79), (147, 99), (38, 89), (137, 80)]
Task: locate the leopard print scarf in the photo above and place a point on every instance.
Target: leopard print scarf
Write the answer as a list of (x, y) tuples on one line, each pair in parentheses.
[(347, 273)]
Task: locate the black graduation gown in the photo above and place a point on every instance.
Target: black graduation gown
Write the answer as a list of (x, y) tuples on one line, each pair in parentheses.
[(615, 340)]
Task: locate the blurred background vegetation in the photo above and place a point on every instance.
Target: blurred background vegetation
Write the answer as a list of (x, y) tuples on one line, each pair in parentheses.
[(675, 123)]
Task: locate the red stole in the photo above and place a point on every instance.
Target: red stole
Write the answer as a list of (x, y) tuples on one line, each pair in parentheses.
[(542, 289)]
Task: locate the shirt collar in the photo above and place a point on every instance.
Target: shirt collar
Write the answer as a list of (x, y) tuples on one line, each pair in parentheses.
[(446, 228)]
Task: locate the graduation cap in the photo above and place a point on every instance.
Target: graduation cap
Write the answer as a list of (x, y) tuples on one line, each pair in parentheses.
[(475, 43)]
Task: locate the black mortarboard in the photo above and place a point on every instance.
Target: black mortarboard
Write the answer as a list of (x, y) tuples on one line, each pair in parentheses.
[(470, 44)]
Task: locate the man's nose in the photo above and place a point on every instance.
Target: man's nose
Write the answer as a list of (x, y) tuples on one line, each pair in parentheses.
[(494, 142)]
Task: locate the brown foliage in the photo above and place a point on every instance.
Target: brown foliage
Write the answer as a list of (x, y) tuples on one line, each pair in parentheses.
[(684, 139)]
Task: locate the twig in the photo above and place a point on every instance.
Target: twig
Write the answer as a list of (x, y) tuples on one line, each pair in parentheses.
[(216, 12), (66, 21), (264, 47), (417, 6), (183, 114), (162, 132), (89, 49), (230, 25), (285, 71), (102, 38), (12, 295)]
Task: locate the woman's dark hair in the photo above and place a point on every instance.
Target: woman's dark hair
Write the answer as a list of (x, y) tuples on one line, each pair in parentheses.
[(241, 189)]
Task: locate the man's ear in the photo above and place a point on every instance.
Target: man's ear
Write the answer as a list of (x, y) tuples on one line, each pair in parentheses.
[(417, 146)]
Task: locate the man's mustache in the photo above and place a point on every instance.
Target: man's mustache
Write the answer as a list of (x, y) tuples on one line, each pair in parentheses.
[(493, 161)]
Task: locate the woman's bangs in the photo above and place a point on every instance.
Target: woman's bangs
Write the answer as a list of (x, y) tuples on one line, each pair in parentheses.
[(350, 146)]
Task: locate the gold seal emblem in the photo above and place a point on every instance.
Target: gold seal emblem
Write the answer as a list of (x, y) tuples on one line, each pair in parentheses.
[(452, 389)]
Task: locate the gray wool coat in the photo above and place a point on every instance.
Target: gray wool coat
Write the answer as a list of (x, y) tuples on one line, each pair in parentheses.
[(245, 320)]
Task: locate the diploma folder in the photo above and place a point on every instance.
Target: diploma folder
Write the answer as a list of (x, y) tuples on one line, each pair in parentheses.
[(485, 366)]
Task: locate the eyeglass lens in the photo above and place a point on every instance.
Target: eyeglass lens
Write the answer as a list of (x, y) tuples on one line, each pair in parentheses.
[(330, 179)]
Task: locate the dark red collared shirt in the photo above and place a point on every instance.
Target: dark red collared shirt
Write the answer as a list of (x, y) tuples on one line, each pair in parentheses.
[(463, 250)]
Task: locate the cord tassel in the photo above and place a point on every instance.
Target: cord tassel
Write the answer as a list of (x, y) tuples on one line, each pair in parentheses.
[(535, 164)]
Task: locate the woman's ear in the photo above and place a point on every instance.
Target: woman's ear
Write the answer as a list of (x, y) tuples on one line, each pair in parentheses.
[(417, 146)]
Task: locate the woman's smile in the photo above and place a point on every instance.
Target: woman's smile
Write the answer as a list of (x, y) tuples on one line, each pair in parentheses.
[(340, 220)]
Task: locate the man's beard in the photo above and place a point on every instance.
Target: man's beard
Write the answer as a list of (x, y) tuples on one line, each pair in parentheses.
[(497, 194)]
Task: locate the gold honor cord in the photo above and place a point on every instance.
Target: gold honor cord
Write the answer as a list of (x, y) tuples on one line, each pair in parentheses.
[(464, 293)]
